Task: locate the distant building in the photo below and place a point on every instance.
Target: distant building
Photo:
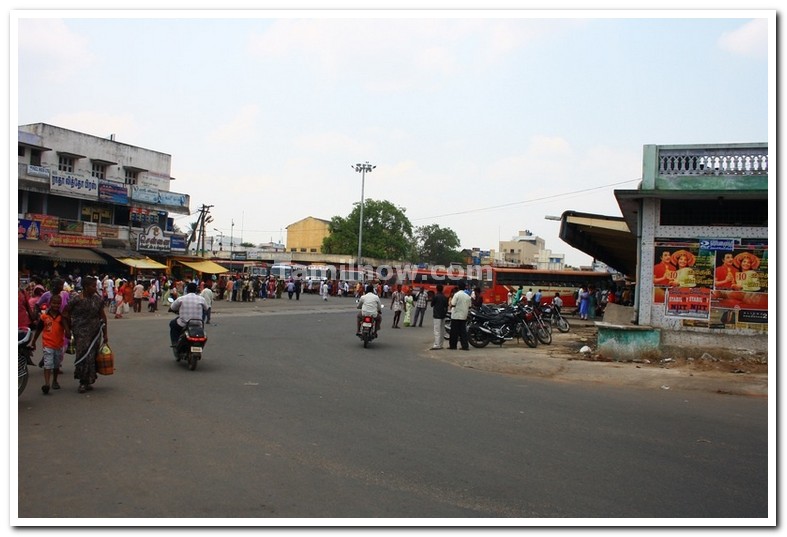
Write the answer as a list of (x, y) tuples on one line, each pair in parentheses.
[(306, 235), (524, 249)]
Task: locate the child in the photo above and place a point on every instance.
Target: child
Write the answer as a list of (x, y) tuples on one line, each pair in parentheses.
[(51, 326)]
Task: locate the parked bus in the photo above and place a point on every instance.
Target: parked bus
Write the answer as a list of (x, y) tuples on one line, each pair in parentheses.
[(565, 282), (496, 282)]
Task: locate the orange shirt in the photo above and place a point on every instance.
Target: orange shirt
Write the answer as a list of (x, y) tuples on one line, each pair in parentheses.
[(53, 333)]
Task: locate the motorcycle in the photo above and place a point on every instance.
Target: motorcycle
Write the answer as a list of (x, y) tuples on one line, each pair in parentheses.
[(533, 320), (24, 335), (191, 343), (553, 317), (368, 330), (496, 324)]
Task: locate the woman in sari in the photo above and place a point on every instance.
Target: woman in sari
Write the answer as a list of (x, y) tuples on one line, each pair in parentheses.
[(84, 318)]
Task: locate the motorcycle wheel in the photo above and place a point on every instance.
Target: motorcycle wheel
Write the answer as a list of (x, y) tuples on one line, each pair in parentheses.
[(563, 325), (365, 340), (529, 337), (476, 338), (23, 375), (193, 361), (543, 335)]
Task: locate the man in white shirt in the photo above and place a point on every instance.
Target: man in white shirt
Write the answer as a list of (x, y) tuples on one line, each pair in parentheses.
[(369, 304), (460, 308), (189, 306)]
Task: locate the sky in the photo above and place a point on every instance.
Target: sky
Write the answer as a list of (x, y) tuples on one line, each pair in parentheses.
[(484, 122)]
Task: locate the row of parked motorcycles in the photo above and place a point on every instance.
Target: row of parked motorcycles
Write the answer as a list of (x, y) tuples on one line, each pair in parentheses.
[(500, 323)]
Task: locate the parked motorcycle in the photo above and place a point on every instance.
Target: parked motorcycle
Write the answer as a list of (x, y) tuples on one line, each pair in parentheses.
[(191, 343), (498, 325), (24, 335), (553, 317), (533, 320)]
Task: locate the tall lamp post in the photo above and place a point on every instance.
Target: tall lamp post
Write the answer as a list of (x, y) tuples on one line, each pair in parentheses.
[(232, 231), (362, 168)]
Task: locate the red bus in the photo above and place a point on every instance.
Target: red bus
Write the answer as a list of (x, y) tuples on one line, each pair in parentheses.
[(496, 282), (565, 282)]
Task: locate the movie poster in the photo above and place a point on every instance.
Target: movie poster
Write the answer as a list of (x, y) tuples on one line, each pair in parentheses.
[(716, 283)]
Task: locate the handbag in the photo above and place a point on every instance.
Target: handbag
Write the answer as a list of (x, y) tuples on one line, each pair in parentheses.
[(105, 361)]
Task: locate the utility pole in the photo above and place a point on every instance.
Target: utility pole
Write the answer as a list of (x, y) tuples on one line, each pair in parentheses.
[(204, 218)]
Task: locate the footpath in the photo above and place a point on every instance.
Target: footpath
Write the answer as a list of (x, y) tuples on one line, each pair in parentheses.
[(561, 361)]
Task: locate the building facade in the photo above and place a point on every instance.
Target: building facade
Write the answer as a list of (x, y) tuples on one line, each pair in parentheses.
[(524, 249), (306, 235), (701, 219), (81, 196)]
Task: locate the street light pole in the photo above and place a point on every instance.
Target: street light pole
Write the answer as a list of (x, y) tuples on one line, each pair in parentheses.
[(362, 168)]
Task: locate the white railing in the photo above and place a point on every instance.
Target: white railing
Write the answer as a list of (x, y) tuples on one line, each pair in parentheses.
[(731, 161)]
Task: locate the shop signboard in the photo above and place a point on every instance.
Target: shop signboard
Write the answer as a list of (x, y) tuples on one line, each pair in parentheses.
[(73, 186), (152, 239), (113, 192), (143, 194)]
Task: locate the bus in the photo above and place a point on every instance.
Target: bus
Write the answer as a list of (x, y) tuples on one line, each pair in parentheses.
[(565, 282), (496, 282)]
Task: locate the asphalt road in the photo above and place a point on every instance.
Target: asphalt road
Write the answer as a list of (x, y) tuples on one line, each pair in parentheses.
[(288, 416)]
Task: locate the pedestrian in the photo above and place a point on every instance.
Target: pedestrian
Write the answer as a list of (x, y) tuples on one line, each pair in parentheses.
[(324, 290), (397, 305), (476, 300), (584, 302), (51, 326), (86, 320), (537, 298), (529, 297), (297, 289), (290, 288), (517, 296), (139, 293), (460, 308), (421, 301), (208, 296), (408, 309), (280, 289), (119, 300), (439, 311)]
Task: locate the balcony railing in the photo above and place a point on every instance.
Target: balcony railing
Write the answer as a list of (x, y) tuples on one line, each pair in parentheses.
[(713, 161)]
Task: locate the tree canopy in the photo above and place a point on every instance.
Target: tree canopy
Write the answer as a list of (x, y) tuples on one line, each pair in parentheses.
[(436, 245), (387, 232)]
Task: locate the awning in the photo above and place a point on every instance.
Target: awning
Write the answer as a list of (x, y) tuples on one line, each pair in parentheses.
[(208, 267), (117, 253), (77, 255), (145, 263), (606, 238), (39, 248)]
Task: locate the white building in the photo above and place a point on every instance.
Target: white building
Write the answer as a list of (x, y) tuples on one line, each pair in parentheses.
[(80, 194)]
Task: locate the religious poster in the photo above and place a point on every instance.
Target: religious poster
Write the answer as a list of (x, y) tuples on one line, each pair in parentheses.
[(715, 283)]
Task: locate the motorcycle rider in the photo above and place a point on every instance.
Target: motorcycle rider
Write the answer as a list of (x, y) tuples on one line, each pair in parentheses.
[(189, 306), (369, 304)]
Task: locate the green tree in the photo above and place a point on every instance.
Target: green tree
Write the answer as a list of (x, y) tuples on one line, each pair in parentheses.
[(387, 232), (436, 245)]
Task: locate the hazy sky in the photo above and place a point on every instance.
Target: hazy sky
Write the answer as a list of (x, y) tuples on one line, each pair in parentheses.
[(483, 122)]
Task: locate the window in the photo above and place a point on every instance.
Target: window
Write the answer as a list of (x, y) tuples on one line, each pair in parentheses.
[(99, 170), (131, 177), (35, 157), (66, 164), (721, 212)]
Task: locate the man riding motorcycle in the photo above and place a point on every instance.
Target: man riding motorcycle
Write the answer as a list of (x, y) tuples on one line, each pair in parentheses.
[(370, 305), (189, 306)]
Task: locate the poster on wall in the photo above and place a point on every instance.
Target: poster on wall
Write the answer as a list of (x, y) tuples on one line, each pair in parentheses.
[(716, 283)]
